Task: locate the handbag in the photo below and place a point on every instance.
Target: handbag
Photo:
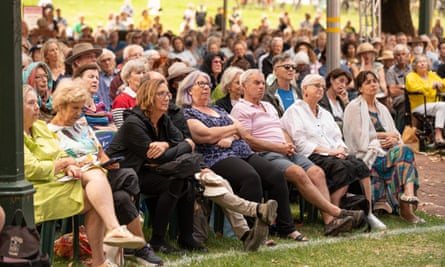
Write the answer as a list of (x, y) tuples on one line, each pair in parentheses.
[(410, 138), (20, 245)]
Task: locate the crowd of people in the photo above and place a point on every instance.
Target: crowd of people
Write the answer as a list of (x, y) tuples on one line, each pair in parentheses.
[(258, 106)]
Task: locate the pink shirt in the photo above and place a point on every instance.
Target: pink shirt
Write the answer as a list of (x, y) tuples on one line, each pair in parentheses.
[(264, 125)]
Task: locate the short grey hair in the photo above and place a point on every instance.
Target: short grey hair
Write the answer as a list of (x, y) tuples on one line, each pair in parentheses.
[(128, 48), (183, 97), (417, 59), (246, 75), (280, 58), (228, 76), (400, 47), (105, 52), (311, 78), (132, 65)]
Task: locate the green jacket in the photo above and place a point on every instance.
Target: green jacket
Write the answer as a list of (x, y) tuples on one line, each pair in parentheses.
[(53, 199)]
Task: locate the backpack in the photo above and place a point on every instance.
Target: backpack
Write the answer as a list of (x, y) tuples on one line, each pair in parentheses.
[(20, 245)]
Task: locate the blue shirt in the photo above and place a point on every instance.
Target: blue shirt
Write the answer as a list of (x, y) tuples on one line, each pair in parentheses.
[(287, 97)]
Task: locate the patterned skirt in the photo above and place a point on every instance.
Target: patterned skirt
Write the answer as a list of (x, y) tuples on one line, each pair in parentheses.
[(395, 169)]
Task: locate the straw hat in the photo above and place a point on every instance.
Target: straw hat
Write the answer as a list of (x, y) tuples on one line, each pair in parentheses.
[(365, 47), (177, 69), (376, 40), (81, 49), (386, 54)]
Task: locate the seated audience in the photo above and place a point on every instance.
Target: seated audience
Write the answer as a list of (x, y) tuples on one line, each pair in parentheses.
[(371, 135), (431, 85), (230, 86), (39, 76), (79, 141), (131, 74), (45, 163), (148, 139), (335, 97), (316, 135), (265, 136), (94, 109), (217, 137)]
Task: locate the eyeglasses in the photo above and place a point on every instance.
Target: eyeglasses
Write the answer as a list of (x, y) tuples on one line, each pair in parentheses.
[(164, 95), (203, 84), (318, 85), (288, 67), (41, 76)]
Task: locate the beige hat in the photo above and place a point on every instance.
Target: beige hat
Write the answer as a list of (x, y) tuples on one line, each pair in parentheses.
[(386, 54), (177, 69), (81, 49), (365, 47), (376, 40), (213, 184)]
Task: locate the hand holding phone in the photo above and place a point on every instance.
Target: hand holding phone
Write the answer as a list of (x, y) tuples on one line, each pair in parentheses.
[(111, 161)]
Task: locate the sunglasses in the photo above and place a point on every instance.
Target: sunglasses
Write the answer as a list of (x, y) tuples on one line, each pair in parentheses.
[(288, 67)]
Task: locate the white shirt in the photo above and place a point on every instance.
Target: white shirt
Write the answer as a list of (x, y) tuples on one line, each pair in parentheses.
[(309, 132)]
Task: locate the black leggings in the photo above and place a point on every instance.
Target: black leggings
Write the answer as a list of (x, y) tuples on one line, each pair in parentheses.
[(249, 177), (169, 193)]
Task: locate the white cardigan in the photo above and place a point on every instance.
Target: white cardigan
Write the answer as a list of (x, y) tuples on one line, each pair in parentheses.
[(358, 130)]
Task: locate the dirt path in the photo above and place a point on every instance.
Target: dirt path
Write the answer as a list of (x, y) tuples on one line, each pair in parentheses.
[(432, 184)]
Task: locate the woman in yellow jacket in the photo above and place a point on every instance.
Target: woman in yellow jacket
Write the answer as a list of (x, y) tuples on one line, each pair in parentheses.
[(430, 84)]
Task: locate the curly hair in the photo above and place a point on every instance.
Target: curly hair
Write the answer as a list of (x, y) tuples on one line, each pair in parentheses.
[(69, 91)]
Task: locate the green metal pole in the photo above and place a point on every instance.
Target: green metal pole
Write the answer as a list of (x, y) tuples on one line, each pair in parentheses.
[(15, 192), (425, 16)]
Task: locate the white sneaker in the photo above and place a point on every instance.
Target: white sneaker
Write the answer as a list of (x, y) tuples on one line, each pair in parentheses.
[(376, 223)]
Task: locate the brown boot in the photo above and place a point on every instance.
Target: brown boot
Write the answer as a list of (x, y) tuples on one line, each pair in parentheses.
[(267, 212), (257, 235), (338, 225)]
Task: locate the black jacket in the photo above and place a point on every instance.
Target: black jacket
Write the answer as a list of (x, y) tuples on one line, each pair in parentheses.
[(133, 139), (225, 103), (324, 103)]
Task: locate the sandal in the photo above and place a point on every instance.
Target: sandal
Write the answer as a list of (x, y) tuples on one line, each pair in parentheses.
[(409, 199), (299, 238), (121, 237)]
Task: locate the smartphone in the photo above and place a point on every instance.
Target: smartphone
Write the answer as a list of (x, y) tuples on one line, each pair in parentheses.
[(111, 161)]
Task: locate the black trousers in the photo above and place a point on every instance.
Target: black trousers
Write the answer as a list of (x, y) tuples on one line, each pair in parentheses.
[(169, 193)]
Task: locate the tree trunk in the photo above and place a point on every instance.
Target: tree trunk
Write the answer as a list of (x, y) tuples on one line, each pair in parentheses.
[(396, 17)]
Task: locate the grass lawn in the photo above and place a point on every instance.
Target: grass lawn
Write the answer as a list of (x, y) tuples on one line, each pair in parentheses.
[(402, 245)]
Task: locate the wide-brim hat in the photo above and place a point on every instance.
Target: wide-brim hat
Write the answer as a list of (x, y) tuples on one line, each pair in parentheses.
[(309, 45), (81, 49), (177, 69), (386, 54), (417, 40), (213, 184), (366, 47)]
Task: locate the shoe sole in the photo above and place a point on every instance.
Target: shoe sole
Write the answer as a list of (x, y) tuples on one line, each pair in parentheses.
[(272, 206), (145, 263), (346, 226), (261, 230), (123, 242)]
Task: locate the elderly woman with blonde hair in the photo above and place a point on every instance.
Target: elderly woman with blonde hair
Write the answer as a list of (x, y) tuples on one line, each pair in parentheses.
[(63, 188), (131, 75), (230, 85)]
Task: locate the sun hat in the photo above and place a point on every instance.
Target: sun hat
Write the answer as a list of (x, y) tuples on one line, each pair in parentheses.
[(81, 49), (376, 40), (417, 40), (177, 69), (213, 184), (365, 47), (386, 54)]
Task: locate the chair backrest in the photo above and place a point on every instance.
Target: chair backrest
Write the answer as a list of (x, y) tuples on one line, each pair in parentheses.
[(105, 137)]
